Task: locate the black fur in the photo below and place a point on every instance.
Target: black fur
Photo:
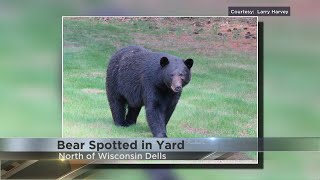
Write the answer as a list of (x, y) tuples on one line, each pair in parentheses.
[(137, 77)]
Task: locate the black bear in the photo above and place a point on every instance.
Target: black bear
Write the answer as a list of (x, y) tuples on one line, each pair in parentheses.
[(138, 77)]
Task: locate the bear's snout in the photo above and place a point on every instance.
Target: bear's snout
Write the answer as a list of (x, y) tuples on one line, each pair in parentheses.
[(178, 89), (176, 84)]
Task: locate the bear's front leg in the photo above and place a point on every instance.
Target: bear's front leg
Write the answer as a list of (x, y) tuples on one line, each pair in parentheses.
[(155, 122), (154, 117), (168, 106)]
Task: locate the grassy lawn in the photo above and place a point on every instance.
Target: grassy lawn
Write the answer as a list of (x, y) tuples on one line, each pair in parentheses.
[(219, 101)]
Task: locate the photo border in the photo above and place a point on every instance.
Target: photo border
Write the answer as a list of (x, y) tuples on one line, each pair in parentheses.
[(260, 159)]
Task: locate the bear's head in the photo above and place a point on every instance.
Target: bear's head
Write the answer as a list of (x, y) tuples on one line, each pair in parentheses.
[(176, 72)]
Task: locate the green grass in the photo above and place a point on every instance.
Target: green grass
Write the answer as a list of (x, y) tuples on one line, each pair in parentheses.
[(219, 101)]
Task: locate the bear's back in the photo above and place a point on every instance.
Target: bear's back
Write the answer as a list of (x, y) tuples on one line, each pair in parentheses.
[(131, 51)]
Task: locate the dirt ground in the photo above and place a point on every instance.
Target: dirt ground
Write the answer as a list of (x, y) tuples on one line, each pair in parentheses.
[(214, 33)]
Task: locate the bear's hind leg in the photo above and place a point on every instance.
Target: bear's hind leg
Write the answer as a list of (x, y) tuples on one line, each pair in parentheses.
[(118, 110), (132, 115)]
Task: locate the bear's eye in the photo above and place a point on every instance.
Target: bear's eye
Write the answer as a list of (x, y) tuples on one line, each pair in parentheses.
[(171, 75), (180, 74)]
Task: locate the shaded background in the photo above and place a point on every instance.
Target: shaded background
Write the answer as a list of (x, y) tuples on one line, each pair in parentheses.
[(30, 74)]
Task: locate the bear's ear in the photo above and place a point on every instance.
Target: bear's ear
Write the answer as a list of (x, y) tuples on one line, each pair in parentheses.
[(189, 63), (164, 61)]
